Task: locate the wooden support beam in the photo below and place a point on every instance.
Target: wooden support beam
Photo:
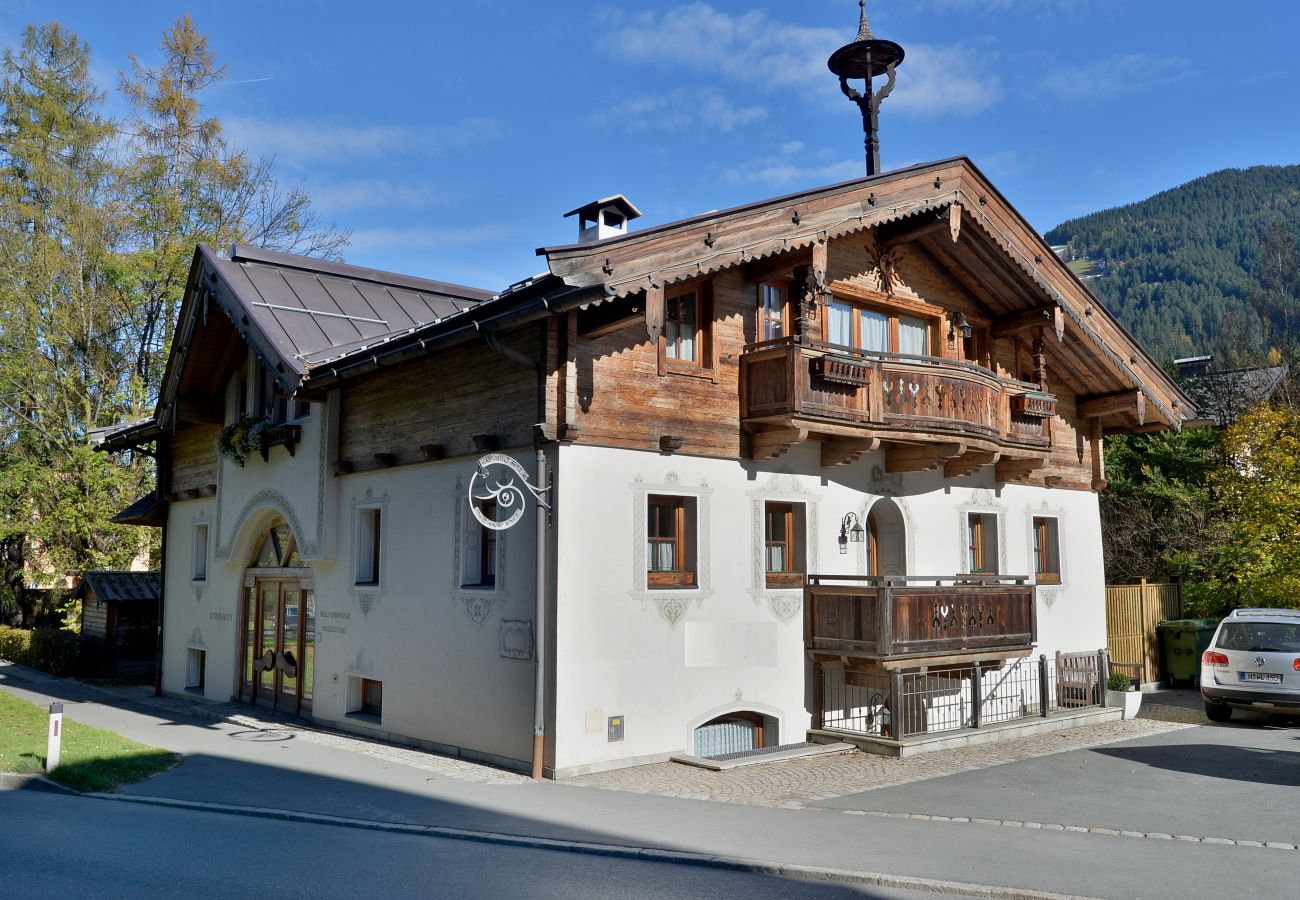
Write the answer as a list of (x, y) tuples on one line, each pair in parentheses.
[(970, 462), (774, 443), (654, 311), (1097, 442), (954, 221), (920, 457), (1016, 469), (909, 234), (1044, 316), (843, 452), (1134, 402)]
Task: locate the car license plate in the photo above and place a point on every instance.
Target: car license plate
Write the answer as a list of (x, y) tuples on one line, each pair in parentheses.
[(1260, 677)]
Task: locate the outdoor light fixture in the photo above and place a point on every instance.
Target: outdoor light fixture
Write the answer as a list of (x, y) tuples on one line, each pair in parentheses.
[(958, 323), (850, 530)]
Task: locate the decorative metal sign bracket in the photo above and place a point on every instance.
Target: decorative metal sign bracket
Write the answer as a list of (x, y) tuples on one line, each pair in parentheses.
[(501, 478)]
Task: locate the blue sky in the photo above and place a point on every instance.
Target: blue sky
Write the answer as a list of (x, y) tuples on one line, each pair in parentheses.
[(450, 137)]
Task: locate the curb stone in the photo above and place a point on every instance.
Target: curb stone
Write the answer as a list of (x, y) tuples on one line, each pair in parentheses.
[(644, 854), (10, 781)]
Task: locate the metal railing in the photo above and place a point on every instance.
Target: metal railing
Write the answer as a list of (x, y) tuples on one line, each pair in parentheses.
[(952, 698)]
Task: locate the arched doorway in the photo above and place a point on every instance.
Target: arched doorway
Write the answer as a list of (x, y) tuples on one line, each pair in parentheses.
[(279, 625), (886, 539)]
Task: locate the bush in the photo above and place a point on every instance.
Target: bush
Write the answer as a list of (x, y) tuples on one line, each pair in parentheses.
[(48, 649), (1119, 682)]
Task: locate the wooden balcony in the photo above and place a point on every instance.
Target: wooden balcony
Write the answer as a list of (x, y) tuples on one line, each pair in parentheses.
[(801, 385), (894, 622)]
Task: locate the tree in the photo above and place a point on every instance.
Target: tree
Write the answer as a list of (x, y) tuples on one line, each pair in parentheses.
[(60, 348), (187, 186), (1256, 562)]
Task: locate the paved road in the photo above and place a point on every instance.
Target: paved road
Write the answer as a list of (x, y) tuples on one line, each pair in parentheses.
[(1218, 779), (61, 847)]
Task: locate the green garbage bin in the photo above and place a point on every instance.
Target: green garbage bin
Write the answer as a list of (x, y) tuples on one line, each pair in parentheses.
[(1182, 642)]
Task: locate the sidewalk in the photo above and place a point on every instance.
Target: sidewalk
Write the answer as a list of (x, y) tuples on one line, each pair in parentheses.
[(276, 768)]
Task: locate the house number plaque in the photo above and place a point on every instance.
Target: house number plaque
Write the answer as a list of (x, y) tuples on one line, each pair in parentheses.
[(501, 478)]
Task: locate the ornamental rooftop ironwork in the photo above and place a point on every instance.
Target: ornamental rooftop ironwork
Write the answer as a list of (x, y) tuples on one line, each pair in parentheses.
[(867, 58)]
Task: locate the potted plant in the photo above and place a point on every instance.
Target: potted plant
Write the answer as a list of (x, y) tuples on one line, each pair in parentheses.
[(1122, 693), (241, 439)]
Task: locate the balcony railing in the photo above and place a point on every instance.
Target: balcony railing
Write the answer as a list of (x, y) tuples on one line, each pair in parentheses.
[(910, 395), (899, 618)]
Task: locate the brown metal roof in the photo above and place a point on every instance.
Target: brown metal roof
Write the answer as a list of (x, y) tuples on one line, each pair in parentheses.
[(309, 309)]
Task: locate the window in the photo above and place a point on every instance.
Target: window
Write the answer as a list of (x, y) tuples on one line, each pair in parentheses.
[(196, 664), (877, 329), (479, 565), (771, 311), (682, 327), (1047, 552), (365, 697), (670, 541), (369, 531), (301, 409), (783, 544), (201, 551), (982, 540)]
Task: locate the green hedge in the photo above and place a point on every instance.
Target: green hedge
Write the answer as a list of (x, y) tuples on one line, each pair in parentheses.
[(51, 650)]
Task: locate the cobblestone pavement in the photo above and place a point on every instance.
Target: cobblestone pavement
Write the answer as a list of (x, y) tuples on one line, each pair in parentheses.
[(268, 720), (795, 782)]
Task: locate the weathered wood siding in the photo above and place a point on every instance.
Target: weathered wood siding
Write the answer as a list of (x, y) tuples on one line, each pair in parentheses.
[(194, 458), (443, 400), (94, 616)]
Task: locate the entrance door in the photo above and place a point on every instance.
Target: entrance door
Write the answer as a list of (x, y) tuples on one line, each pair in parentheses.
[(279, 645)]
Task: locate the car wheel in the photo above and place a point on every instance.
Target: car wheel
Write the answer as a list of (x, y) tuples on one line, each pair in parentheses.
[(1217, 712)]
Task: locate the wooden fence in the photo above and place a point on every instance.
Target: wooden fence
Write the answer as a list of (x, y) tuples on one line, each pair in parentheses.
[(1132, 613)]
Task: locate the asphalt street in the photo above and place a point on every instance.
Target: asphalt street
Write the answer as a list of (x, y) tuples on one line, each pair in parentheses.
[(1239, 781)]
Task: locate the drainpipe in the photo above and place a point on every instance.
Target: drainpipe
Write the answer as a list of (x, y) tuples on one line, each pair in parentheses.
[(542, 475)]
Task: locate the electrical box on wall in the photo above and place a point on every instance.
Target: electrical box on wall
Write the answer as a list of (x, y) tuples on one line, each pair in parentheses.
[(615, 729)]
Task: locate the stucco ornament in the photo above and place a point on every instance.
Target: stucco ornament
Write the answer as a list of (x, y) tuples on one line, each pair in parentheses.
[(501, 478)]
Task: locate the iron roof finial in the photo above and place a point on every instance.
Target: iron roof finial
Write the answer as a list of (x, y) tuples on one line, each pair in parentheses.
[(864, 30)]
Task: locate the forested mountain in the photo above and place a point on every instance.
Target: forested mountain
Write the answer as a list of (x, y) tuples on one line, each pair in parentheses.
[(1208, 267)]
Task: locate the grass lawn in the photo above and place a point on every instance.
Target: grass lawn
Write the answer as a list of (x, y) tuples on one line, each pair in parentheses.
[(1082, 267), (91, 759)]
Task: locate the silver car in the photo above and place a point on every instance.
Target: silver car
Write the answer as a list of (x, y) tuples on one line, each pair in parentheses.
[(1253, 662)]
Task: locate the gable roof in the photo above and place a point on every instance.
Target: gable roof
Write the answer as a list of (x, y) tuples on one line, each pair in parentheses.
[(996, 254), (293, 311), (1224, 395), (114, 587)]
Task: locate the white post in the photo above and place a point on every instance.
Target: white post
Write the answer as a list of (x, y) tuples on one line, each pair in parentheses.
[(56, 737)]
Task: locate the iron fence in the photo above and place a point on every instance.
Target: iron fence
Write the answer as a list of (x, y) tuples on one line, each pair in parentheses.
[(951, 698)]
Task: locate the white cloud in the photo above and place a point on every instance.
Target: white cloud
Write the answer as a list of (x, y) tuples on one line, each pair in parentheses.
[(1115, 75), (790, 147), (423, 238), (940, 81), (781, 173), (754, 49), (305, 141), (682, 109), (374, 193), (749, 47), (1068, 7)]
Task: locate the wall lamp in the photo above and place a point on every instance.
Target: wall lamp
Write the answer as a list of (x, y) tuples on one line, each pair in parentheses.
[(850, 530), (958, 323)]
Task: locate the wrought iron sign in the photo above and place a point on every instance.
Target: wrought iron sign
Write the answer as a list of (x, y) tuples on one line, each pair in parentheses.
[(501, 478)]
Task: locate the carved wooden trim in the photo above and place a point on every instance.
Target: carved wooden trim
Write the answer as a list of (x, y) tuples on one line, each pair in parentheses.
[(910, 458), (845, 452)]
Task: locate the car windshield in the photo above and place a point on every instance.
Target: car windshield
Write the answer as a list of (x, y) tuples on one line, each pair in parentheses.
[(1262, 637)]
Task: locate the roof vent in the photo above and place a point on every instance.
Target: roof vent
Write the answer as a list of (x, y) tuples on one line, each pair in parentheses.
[(606, 218)]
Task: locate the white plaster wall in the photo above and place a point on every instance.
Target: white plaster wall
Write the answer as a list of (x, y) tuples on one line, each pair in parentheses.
[(663, 660)]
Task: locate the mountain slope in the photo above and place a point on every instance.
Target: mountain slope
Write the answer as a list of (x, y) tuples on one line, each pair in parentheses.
[(1182, 269)]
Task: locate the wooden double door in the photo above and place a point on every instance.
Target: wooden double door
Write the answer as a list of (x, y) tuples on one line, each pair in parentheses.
[(279, 645)]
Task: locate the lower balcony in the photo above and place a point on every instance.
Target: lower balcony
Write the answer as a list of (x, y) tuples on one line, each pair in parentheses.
[(908, 621)]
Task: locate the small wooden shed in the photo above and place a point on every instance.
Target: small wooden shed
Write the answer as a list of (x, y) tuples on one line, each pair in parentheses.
[(122, 608)]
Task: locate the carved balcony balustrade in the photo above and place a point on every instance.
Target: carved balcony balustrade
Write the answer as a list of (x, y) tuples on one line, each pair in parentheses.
[(894, 622), (801, 387)]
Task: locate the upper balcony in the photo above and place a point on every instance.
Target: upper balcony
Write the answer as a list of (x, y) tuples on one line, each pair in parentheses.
[(798, 387)]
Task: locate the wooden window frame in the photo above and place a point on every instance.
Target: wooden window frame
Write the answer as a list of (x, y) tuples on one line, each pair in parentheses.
[(765, 317), (705, 363), (1047, 548), (978, 544), (365, 707), (931, 315), (793, 574), (370, 578), (683, 535), (487, 557)]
